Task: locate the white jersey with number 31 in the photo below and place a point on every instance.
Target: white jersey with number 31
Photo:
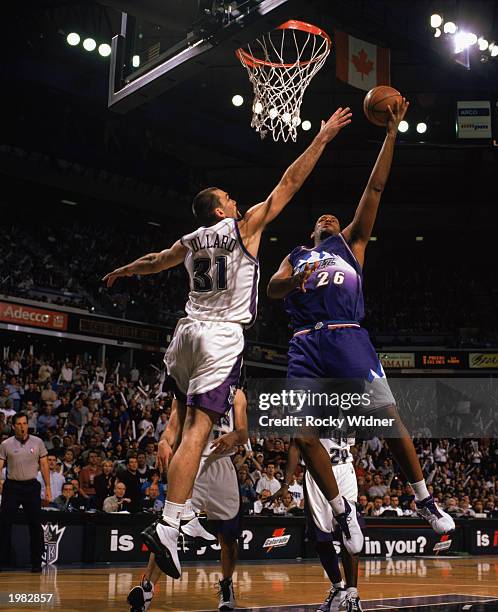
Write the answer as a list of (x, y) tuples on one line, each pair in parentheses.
[(223, 275)]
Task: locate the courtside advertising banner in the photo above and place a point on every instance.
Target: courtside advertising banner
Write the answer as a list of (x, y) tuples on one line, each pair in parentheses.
[(21, 314), (474, 119)]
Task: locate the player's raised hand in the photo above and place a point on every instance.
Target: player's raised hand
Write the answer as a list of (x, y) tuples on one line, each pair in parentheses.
[(396, 114), (110, 278), (301, 278), (224, 443), (277, 496), (342, 117)]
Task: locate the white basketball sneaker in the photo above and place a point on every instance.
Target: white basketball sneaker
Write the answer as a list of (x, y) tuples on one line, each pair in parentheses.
[(333, 601), (140, 597), (352, 536), (162, 539), (194, 529), (437, 518), (226, 595)]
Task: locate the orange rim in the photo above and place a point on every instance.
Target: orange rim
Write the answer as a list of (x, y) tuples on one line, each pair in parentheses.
[(253, 62)]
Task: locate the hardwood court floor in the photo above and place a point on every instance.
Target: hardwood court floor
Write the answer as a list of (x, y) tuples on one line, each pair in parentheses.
[(102, 589)]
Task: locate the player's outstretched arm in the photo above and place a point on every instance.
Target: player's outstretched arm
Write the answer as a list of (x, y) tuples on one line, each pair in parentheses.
[(150, 264), (358, 232), (283, 281), (261, 214), (240, 434)]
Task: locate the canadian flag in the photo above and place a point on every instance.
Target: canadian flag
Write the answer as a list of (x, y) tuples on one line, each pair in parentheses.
[(360, 63)]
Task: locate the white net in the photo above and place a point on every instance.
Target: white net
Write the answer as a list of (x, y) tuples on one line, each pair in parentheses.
[(280, 66)]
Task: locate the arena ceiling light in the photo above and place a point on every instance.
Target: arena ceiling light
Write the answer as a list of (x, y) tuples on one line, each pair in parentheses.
[(437, 33), (73, 39), (419, 238), (403, 126), (135, 61), (422, 127), (436, 20), (482, 44), (105, 50), (237, 100), (494, 50), (450, 27), (89, 44), (306, 125)]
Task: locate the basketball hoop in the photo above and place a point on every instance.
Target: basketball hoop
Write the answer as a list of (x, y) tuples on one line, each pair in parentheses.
[(286, 60)]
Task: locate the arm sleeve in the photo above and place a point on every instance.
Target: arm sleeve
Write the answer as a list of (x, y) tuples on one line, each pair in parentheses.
[(3, 452), (42, 449)]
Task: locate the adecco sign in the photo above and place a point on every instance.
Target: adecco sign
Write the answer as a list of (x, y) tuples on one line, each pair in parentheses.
[(37, 317)]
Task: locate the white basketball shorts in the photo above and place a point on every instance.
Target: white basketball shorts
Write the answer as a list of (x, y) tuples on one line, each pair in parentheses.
[(216, 489), (205, 360), (318, 506)]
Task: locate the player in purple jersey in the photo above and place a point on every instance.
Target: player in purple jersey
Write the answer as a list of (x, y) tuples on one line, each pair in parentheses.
[(323, 291)]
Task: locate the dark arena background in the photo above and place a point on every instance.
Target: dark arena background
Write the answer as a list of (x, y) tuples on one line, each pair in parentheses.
[(115, 115)]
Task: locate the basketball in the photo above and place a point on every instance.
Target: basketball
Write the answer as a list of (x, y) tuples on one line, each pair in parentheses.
[(376, 102)]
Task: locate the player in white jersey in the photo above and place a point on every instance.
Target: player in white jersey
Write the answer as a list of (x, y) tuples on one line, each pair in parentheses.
[(215, 493), (205, 355), (322, 527)]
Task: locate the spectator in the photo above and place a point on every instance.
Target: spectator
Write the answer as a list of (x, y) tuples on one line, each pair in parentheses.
[(151, 502), (56, 478), (45, 372), (142, 469), (161, 425), (68, 465), (15, 392), (87, 476), (247, 491), (362, 504), (268, 481), (76, 418), (150, 454), (378, 489), (79, 502), (453, 509), (131, 479), (118, 502), (297, 491), (6, 404), (47, 421), (48, 394), (64, 501), (375, 507), (104, 484), (407, 497), (154, 479)]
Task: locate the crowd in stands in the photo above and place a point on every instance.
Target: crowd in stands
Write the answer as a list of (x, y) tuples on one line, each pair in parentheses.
[(101, 426), (401, 297)]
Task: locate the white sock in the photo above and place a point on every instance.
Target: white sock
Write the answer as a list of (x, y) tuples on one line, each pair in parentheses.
[(337, 505), (338, 585), (188, 511), (420, 490), (352, 591), (172, 513)]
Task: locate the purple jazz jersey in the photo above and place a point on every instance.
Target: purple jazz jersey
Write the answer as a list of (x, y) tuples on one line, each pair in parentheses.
[(333, 291), (334, 295)]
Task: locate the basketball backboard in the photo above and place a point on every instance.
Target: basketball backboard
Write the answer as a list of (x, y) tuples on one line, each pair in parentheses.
[(163, 43)]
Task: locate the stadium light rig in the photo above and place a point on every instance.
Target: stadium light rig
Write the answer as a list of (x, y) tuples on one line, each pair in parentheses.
[(461, 40)]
